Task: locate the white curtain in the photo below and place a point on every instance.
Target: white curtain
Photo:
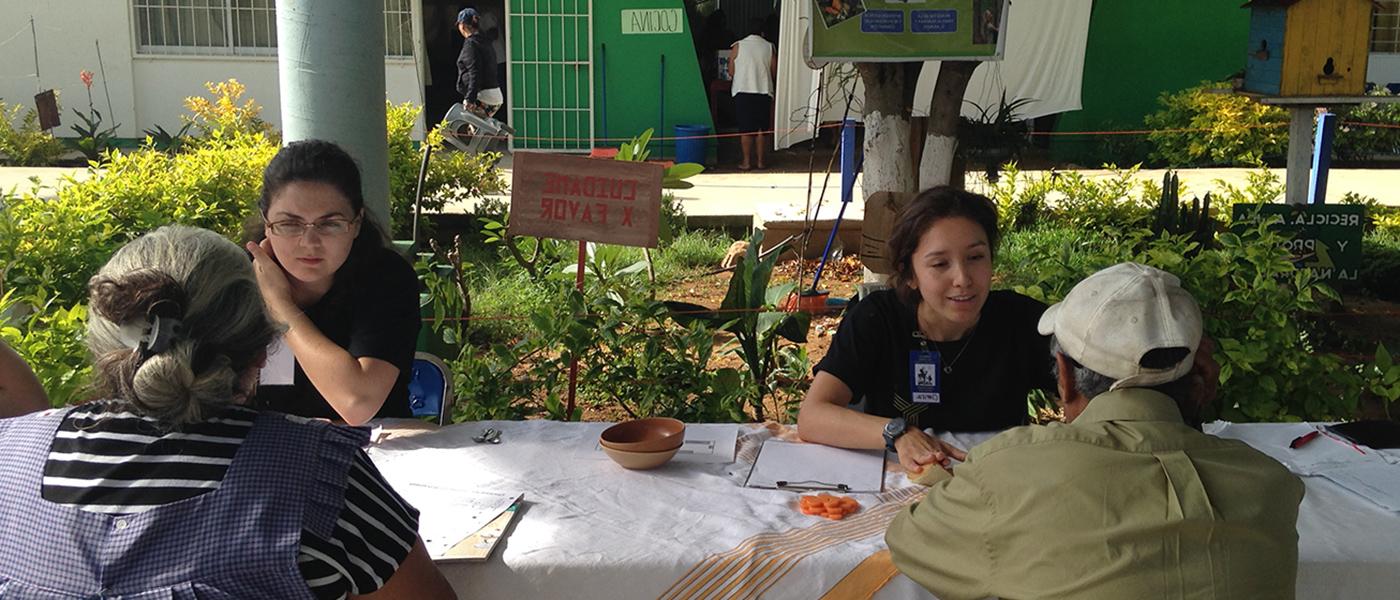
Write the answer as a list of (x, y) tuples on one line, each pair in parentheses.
[(1044, 61)]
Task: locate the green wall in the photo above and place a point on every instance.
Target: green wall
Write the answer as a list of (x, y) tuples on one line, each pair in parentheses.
[(1138, 49), (632, 64)]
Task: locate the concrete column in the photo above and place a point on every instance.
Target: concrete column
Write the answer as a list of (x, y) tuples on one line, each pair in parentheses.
[(330, 67), (1299, 153)]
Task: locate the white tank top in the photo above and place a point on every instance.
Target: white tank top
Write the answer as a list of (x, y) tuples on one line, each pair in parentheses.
[(753, 66)]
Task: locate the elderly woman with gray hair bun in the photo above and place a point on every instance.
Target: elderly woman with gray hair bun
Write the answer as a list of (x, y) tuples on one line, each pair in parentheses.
[(168, 486)]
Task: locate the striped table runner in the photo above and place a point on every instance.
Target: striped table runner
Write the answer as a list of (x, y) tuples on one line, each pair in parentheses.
[(756, 564)]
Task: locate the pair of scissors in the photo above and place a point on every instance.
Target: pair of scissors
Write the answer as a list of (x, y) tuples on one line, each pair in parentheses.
[(490, 435)]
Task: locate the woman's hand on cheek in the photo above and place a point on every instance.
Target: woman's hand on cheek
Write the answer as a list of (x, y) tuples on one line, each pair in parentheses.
[(272, 281)]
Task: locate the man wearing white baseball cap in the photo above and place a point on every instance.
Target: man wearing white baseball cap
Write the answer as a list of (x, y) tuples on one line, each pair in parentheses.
[(1127, 498)]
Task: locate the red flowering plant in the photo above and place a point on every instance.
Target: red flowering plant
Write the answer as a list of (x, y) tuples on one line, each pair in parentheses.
[(93, 140)]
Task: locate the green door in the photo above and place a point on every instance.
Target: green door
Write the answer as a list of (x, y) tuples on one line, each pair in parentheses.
[(550, 67)]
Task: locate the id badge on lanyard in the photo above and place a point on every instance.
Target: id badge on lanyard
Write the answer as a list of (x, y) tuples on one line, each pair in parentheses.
[(925, 376)]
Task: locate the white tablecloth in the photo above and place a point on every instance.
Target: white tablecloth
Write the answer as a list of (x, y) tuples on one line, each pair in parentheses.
[(591, 529)]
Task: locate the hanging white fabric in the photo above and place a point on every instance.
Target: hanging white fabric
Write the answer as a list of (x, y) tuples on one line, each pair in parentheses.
[(1044, 61)]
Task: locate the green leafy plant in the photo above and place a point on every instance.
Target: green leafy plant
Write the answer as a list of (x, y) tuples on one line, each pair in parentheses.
[(649, 365), (451, 177), (1382, 377), (170, 143), (1360, 142), (225, 112), (1208, 125), (750, 312), (21, 140), (50, 338), (995, 135)]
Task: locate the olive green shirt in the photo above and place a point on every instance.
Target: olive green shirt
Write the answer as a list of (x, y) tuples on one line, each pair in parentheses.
[(1126, 502)]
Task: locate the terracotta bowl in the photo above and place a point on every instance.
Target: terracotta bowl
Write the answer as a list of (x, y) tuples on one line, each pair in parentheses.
[(655, 434), (640, 460)]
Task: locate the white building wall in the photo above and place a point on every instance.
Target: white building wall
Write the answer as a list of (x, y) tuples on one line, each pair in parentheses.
[(1383, 68), (68, 33), (146, 90)]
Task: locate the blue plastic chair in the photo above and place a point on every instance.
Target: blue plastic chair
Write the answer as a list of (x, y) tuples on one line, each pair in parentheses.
[(430, 388)]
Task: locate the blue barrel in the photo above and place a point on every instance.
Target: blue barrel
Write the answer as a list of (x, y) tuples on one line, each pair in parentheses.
[(691, 150)]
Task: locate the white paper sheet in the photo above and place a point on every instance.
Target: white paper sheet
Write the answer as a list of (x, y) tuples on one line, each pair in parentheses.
[(280, 368), (448, 515), (795, 465)]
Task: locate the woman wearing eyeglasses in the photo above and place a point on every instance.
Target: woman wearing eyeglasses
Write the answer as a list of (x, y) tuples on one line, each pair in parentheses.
[(350, 304)]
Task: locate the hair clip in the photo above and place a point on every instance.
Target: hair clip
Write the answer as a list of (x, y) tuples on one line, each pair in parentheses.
[(162, 333)]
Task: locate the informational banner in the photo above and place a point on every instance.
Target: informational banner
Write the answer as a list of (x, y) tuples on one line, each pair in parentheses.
[(653, 20), (575, 198), (908, 30), (1325, 238)]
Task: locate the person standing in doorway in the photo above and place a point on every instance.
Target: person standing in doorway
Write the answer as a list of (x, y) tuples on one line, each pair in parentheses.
[(752, 65), (476, 67), (492, 30)]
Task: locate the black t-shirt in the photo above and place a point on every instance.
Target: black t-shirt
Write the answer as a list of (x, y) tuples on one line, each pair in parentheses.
[(992, 369), (372, 311)]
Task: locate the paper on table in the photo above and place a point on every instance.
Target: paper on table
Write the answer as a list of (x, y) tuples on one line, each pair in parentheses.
[(1368, 473), (448, 515), (796, 465), (280, 368)]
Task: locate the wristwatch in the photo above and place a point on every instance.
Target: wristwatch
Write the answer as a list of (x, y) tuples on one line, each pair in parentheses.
[(893, 429)]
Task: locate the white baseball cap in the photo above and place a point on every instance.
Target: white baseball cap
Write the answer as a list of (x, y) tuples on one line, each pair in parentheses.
[(1112, 319)]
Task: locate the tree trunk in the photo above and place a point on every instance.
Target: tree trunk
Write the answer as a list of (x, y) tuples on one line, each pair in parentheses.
[(936, 163), (886, 115)]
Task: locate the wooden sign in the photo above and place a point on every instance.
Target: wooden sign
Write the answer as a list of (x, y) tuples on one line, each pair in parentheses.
[(574, 198), (46, 104)]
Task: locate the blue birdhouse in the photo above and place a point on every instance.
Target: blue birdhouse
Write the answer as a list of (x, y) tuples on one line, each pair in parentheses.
[(1308, 47)]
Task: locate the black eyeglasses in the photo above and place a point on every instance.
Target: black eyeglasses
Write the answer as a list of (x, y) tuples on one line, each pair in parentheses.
[(332, 227)]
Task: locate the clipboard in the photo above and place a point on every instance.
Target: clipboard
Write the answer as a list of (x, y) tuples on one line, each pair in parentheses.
[(804, 467), (478, 546)]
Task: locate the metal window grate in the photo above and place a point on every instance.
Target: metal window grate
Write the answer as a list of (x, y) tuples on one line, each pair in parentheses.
[(398, 28), (1385, 27), (239, 27)]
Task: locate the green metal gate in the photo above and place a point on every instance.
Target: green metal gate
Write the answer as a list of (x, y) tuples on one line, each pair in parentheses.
[(550, 69)]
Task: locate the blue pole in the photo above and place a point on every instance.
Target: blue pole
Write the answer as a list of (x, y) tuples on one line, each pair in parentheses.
[(1322, 157), (848, 183), (603, 87)]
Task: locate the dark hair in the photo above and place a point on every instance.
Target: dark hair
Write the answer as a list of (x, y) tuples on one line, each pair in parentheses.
[(322, 162), (927, 208)]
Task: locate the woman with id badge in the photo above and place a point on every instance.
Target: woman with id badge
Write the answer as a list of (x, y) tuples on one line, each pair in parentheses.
[(939, 350), (349, 303)]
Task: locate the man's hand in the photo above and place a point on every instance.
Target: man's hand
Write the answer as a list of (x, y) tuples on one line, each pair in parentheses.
[(918, 449), (272, 282)]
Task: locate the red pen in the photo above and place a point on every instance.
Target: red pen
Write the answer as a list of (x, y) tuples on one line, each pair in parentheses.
[(1300, 441)]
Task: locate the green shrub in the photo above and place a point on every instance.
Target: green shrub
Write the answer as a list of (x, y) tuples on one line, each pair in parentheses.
[(50, 338), (452, 176), (21, 140), (1380, 264), (1208, 125), (1262, 187), (1253, 300), (1070, 198), (1360, 143)]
